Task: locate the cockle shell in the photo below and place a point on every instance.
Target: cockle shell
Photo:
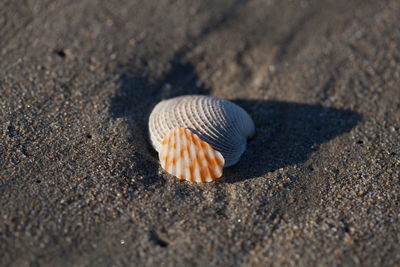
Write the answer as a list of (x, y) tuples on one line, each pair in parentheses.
[(187, 157), (222, 124)]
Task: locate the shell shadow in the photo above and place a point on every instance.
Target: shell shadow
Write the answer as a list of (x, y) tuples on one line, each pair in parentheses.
[(286, 133)]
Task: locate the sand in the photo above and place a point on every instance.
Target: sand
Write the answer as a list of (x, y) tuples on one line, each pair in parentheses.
[(318, 185)]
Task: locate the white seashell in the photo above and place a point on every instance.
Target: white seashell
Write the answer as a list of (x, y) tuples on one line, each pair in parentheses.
[(218, 122), (187, 157)]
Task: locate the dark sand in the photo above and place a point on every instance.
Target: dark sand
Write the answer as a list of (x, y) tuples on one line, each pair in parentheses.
[(318, 184)]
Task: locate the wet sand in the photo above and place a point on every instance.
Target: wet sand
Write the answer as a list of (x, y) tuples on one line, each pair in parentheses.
[(318, 184)]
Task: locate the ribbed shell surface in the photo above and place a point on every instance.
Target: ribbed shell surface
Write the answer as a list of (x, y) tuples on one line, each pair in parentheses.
[(221, 123), (184, 155)]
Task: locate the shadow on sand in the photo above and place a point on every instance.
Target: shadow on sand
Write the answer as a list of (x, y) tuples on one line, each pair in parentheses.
[(286, 133)]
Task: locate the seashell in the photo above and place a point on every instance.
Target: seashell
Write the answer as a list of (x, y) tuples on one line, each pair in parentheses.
[(186, 156), (218, 122)]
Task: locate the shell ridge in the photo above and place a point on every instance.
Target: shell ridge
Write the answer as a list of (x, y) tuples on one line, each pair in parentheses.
[(203, 134), (225, 146), (216, 130)]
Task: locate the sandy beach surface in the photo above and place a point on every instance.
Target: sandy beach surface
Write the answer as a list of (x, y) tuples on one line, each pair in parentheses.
[(80, 184)]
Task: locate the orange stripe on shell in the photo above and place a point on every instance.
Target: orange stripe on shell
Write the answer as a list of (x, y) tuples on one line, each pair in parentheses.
[(186, 156)]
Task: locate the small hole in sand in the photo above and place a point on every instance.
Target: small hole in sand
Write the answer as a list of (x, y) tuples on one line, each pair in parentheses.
[(157, 240), (60, 53)]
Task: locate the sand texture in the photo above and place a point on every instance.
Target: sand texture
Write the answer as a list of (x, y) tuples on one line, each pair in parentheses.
[(80, 184)]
